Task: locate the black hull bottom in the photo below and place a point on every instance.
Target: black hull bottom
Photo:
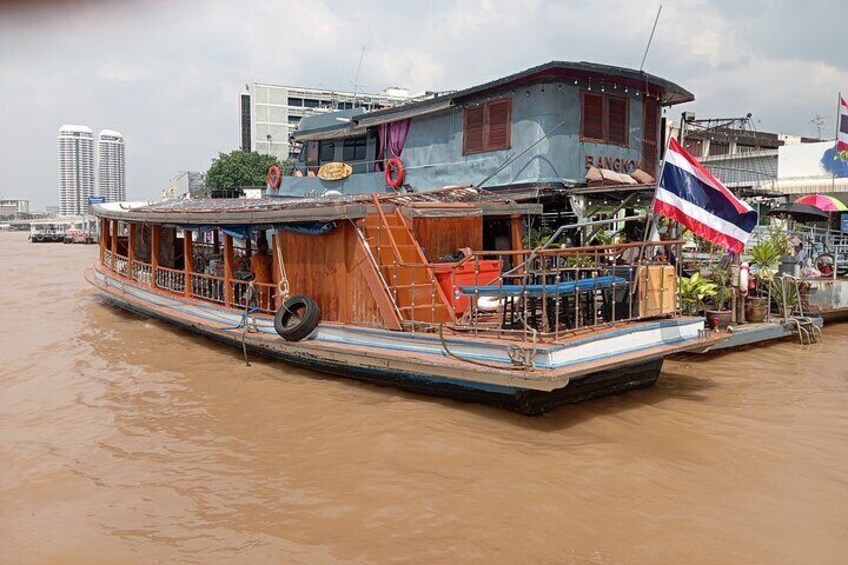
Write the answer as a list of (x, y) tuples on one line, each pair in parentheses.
[(528, 402)]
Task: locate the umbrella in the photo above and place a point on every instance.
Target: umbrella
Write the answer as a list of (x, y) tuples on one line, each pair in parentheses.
[(800, 212), (823, 202)]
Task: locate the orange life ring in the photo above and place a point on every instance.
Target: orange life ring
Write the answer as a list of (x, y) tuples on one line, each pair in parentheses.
[(274, 177), (395, 173)]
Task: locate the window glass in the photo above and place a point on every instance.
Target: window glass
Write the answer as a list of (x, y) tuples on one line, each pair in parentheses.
[(295, 101), (327, 152), (310, 103), (354, 149)]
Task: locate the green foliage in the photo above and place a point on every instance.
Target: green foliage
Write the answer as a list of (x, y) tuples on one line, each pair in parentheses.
[(239, 168), (694, 292), (720, 276), (766, 255), (537, 236), (777, 286)]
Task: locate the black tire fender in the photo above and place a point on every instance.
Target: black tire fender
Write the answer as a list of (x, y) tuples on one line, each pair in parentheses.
[(297, 317)]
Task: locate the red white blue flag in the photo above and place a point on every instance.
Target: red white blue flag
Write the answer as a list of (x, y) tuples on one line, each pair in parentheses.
[(842, 133), (688, 194)]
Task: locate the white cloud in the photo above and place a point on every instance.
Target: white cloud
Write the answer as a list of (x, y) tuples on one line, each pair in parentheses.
[(167, 75)]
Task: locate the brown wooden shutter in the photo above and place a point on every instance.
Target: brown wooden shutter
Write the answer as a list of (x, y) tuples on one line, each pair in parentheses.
[(472, 130), (592, 116), (499, 125), (650, 110), (618, 120)]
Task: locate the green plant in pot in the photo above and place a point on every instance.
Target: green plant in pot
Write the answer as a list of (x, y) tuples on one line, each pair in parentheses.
[(694, 292), (765, 258), (719, 316)]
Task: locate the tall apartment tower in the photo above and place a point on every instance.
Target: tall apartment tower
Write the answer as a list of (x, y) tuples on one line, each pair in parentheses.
[(111, 170), (76, 168)]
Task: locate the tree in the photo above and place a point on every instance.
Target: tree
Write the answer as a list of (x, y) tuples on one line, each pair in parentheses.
[(239, 168)]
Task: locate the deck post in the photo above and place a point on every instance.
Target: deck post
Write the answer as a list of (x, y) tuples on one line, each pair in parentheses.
[(104, 238), (131, 249), (216, 240), (154, 254), (188, 259), (516, 238), (114, 235), (228, 270)]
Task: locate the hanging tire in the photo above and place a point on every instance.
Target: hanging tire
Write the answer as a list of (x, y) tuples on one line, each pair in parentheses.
[(297, 318)]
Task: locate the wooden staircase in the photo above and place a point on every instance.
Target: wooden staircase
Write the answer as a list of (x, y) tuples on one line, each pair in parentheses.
[(418, 296)]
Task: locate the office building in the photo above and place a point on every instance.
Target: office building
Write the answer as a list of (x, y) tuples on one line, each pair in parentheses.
[(111, 166), (270, 113), (76, 168)]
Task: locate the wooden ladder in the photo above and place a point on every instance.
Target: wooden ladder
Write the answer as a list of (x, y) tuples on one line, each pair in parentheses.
[(411, 283)]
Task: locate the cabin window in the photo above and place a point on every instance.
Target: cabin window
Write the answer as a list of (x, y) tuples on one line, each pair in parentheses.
[(311, 153), (327, 152), (354, 149), (604, 118), (487, 127), (650, 130)]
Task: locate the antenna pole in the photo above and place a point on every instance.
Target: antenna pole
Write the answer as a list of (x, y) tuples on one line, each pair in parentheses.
[(358, 68), (650, 39)]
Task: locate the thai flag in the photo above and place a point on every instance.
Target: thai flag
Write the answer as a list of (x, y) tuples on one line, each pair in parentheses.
[(842, 134), (690, 195)]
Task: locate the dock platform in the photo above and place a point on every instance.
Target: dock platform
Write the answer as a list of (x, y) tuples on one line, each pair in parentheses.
[(749, 334)]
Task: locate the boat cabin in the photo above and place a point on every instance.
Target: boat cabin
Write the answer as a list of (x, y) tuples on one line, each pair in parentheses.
[(544, 126)]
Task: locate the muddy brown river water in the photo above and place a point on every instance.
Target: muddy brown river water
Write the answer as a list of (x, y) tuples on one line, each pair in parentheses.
[(123, 440)]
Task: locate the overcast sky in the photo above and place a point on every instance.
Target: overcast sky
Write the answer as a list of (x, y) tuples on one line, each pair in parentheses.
[(167, 74)]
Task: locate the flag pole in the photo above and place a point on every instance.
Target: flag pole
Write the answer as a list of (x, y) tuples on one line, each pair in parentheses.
[(649, 223), (836, 139)]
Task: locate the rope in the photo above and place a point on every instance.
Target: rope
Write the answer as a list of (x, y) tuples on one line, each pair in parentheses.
[(522, 359)]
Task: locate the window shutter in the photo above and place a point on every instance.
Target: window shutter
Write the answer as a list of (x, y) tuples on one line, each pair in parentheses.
[(650, 110), (499, 130), (618, 120), (592, 114), (472, 131)]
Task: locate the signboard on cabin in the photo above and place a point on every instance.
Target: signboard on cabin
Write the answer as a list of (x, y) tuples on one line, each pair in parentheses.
[(617, 164)]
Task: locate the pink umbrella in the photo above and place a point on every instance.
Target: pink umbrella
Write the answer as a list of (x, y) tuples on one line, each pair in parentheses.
[(823, 202)]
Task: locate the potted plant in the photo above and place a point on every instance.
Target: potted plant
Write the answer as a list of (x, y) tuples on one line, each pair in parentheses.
[(765, 258), (694, 292), (719, 316)]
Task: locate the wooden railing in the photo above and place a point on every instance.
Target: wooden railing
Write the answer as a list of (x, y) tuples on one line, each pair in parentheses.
[(170, 279), (207, 287), (248, 294), (107, 259), (122, 265), (142, 272)]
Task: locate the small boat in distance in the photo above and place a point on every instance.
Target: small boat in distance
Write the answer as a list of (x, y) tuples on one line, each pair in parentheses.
[(395, 289)]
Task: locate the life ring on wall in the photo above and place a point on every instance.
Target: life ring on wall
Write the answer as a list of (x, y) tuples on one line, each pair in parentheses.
[(395, 173), (744, 276), (274, 177)]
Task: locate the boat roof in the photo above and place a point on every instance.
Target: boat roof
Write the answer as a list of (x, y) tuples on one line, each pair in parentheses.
[(446, 202), (666, 91)]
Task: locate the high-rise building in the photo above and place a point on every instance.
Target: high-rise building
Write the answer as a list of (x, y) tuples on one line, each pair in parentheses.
[(76, 168), (111, 166), (269, 113)]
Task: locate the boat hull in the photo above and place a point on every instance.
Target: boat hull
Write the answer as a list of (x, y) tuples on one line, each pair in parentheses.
[(530, 393)]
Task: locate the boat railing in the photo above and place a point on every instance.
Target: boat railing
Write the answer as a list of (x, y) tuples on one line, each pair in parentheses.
[(142, 272), (207, 287), (545, 292), (252, 294), (122, 264), (107, 259), (172, 280)]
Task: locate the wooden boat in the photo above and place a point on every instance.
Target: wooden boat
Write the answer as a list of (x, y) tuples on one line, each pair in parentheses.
[(364, 287)]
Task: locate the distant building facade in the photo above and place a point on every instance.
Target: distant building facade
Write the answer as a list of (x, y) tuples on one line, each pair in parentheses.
[(76, 168), (14, 207), (270, 113), (192, 183), (111, 167)]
